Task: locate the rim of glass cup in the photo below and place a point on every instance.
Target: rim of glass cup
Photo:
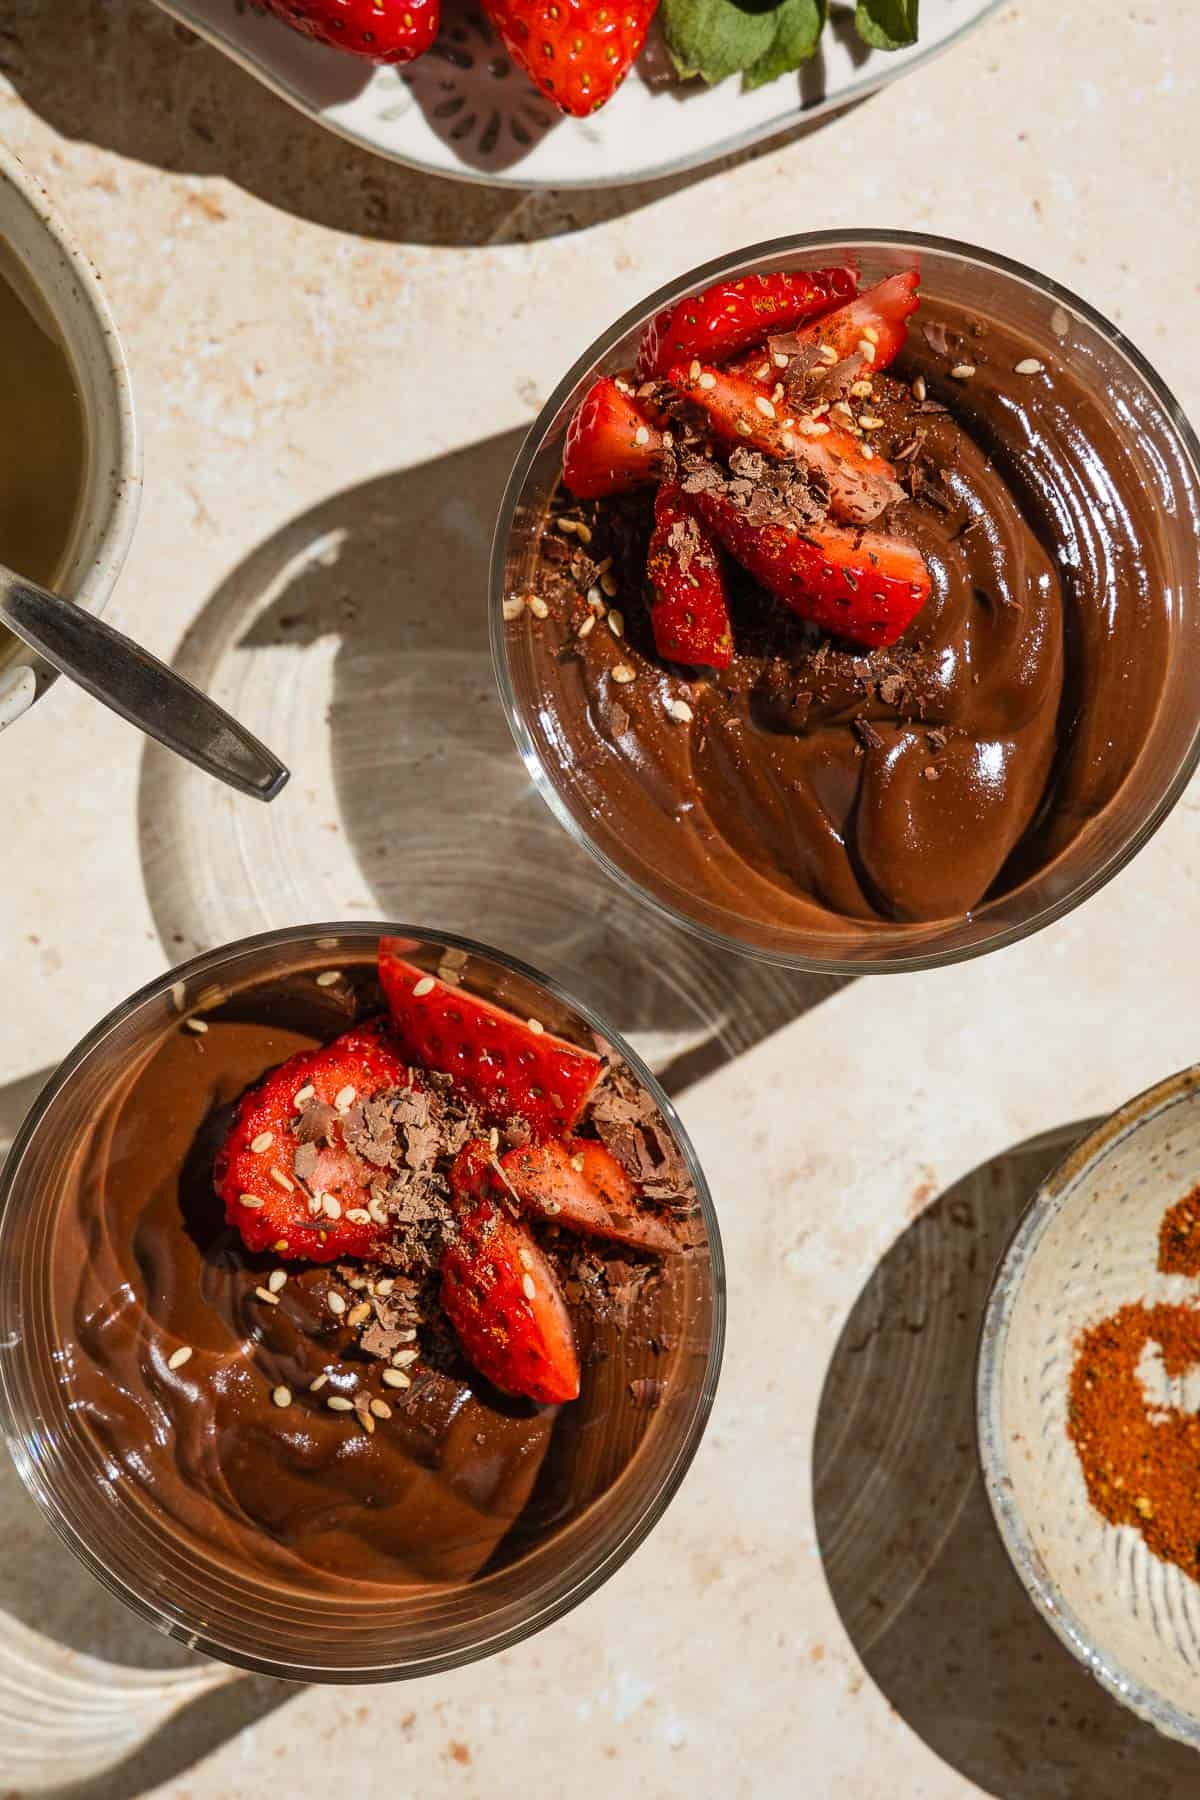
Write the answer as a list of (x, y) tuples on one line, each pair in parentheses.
[(703, 275), (1044, 1593), (581, 1583)]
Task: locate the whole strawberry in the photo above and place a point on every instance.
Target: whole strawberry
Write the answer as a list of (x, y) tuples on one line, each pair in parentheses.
[(385, 31), (577, 51)]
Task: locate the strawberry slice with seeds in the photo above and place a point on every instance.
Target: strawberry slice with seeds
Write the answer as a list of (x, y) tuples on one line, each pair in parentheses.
[(611, 445), (875, 324), (858, 585), (690, 611), (287, 1178), (861, 484), (579, 1183), (501, 1295), (508, 1066), (382, 31), (733, 315)]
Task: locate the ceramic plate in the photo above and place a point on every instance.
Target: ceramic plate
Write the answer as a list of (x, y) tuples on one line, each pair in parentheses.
[(464, 110)]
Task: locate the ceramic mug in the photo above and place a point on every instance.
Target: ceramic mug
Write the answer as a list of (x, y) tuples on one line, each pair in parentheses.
[(58, 282)]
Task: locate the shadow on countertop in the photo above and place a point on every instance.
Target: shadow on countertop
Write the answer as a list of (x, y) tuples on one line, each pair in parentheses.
[(128, 78), (914, 1562), (366, 620)]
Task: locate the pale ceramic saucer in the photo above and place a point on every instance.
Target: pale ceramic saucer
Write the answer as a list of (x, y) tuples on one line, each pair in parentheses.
[(58, 282), (464, 109), (1087, 1246)]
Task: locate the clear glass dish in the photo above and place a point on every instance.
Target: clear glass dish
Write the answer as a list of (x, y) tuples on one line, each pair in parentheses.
[(1164, 458), (182, 1584)]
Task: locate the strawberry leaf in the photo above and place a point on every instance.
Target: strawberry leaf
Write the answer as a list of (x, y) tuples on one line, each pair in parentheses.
[(798, 28), (886, 24), (716, 38)]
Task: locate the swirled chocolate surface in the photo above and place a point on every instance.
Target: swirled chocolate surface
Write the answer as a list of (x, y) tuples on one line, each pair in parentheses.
[(816, 785), (456, 1481)]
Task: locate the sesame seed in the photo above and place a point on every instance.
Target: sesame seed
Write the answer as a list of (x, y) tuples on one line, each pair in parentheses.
[(356, 1283), (616, 622), (536, 1026), (861, 390), (314, 1205), (339, 1403), (820, 410), (423, 987), (641, 435), (306, 1093), (568, 527), (381, 1409), (963, 371), (178, 1357), (377, 1210), (527, 1286), (512, 609), (249, 1200), (1060, 324), (694, 370), (707, 381), (680, 710), (282, 1396), (577, 1164), (787, 440), (494, 1138), (277, 1279), (266, 1294), (870, 333), (330, 1207), (383, 1288), (262, 1142), (779, 359), (919, 389), (623, 673), (524, 1258), (336, 1304), (402, 1358), (345, 1098), (595, 597), (668, 439), (551, 1206), (538, 607), (1028, 366), (866, 349), (842, 410), (329, 977), (828, 354), (609, 584), (406, 1336), (621, 385), (396, 1378), (281, 1180), (744, 428), (868, 453), (869, 422), (588, 626), (762, 372), (358, 1215), (582, 533), (196, 1025), (318, 1382), (818, 428), (366, 1421), (358, 1315), (280, 1245), (764, 406)]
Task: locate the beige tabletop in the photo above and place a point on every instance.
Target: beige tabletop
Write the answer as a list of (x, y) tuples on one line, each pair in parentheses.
[(332, 360)]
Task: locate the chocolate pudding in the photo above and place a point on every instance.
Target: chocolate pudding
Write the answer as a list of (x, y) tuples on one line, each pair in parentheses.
[(813, 784), (177, 1366)]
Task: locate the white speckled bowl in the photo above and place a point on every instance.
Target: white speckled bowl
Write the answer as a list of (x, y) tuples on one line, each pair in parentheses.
[(1087, 1245), (59, 276)]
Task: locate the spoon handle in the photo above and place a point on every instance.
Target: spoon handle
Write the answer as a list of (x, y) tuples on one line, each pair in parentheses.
[(115, 670)]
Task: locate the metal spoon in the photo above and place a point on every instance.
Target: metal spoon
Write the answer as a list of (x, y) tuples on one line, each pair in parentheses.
[(115, 670)]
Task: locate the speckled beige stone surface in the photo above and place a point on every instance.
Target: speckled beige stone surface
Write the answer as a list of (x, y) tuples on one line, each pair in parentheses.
[(302, 322)]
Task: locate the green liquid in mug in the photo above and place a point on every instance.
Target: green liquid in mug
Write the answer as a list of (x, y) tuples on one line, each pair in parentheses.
[(42, 435)]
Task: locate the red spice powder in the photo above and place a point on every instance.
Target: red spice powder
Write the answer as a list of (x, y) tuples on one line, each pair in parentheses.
[(1141, 1465), (1179, 1237)]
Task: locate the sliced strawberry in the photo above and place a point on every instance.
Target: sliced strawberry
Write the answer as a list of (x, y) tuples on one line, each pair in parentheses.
[(506, 1065), (579, 1183), (689, 613), (383, 31), (858, 585), (266, 1200), (733, 315), (875, 323), (611, 445), (501, 1295), (742, 411)]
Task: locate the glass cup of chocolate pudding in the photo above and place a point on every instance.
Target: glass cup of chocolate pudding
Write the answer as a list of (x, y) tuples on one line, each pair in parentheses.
[(191, 1414), (826, 805)]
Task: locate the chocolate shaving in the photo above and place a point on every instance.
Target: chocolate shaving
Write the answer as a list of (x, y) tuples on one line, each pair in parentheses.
[(316, 1123), (867, 732)]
